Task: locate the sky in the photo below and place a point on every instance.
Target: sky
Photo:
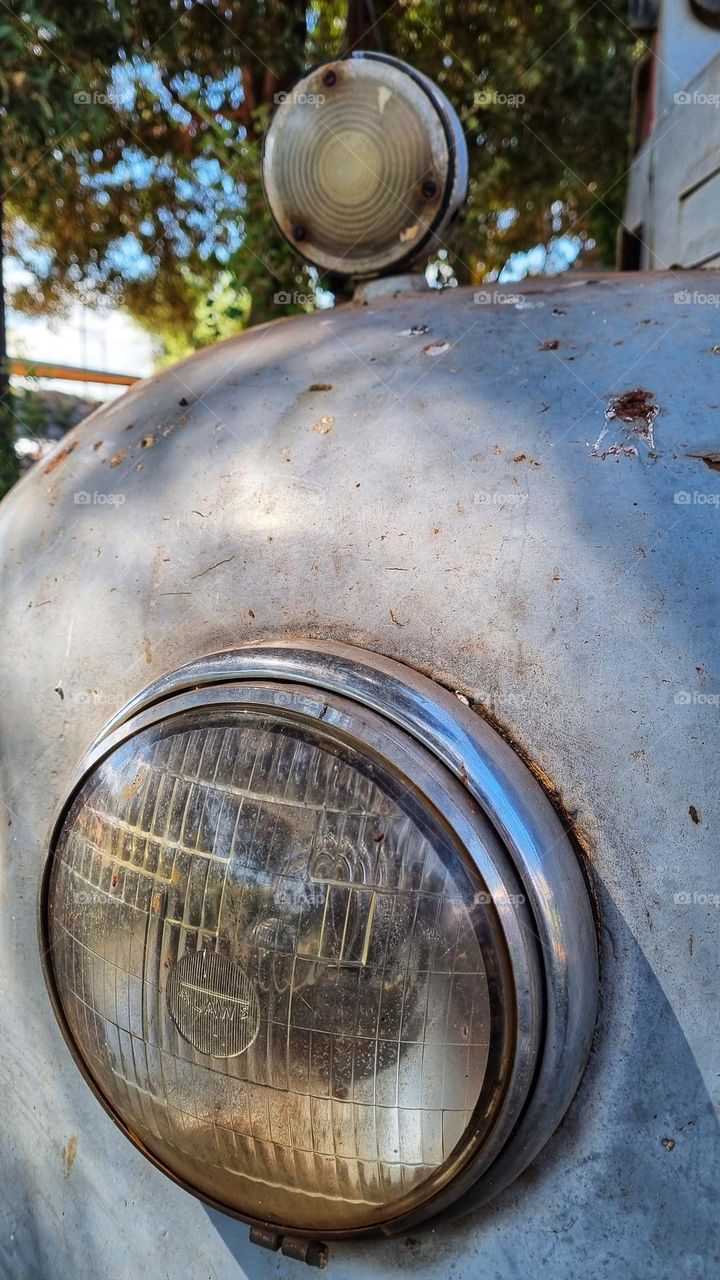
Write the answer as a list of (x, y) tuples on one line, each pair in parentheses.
[(106, 340)]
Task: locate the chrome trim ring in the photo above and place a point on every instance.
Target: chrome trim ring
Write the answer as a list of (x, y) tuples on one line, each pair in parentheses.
[(551, 939)]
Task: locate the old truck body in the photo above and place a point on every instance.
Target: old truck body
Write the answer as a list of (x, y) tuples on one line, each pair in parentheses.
[(515, 494)]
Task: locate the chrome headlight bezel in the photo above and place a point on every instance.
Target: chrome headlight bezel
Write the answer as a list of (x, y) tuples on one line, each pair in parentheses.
[(466, 771)]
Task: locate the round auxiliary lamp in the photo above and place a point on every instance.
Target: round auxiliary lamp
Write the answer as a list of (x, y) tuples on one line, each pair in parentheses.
[(364, 165)]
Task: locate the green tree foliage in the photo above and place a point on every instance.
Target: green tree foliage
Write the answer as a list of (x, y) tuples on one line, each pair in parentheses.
[(41, 63), (132, 137)]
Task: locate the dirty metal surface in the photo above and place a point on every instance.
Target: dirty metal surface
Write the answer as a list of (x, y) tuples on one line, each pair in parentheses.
[(512, 496)]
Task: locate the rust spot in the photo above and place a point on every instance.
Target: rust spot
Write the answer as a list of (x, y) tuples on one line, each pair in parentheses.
[(551, 345), (522, 457), (114, 880), (695, 814), (436, 348), (97, 444), (544, 779), (118, 457), (711, 460), (69, 1153), (320, 386), (636, 408), (569, 820), (668, 1143), (147, 442), (59, 457), (324, 425)]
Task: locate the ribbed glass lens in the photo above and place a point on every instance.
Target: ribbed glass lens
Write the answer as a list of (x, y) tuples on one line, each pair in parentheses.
[(356, 165), (277, 965)]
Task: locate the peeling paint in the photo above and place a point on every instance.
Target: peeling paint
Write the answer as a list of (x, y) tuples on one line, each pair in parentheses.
[(613, 450), (637, 409)]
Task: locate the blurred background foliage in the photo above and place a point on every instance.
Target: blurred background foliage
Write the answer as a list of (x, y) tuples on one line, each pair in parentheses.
[(132, 129), (131, 135)]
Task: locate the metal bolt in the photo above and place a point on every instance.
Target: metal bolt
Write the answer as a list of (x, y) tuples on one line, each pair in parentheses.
[(312, 1252), (266, 1238)]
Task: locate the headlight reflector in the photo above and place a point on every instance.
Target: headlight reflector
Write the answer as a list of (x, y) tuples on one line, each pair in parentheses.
[(280, 965)]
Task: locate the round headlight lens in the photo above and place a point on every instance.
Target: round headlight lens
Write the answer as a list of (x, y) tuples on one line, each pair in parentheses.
[(279, 966), (365, 164)]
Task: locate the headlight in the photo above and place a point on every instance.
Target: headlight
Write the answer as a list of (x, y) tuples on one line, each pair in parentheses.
[(364, 165), (291, 952)]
